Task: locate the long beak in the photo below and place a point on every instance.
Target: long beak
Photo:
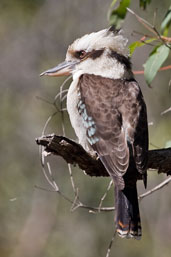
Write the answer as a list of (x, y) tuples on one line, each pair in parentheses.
[(63, 69)]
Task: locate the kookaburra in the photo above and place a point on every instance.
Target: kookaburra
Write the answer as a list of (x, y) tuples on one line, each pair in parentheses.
[(108, 114)]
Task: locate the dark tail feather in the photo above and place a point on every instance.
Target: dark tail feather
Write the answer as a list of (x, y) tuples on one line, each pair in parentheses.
[(128, 224)]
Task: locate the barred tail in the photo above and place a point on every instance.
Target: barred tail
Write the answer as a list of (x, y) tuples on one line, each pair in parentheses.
[(128, 223)]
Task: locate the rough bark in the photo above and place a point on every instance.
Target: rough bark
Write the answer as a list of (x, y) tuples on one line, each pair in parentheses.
[(73, 153)]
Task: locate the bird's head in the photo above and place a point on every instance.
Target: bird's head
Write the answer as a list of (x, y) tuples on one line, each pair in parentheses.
[(101, 53)]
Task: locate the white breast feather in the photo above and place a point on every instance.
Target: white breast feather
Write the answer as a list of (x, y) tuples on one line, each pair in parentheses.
[(75, 118)]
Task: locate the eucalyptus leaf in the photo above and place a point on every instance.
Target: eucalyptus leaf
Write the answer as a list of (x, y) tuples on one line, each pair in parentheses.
[(154, 62), (136, 44), (117, 16), (166, 21)]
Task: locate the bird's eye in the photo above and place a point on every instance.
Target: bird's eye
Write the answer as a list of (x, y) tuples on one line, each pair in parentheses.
[(82, 54)]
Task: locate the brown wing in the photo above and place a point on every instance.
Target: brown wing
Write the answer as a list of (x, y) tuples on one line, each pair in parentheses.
[(108, 117), (138, 132), (134, 115)]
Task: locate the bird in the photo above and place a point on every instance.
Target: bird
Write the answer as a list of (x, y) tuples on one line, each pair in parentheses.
[(109, 115)]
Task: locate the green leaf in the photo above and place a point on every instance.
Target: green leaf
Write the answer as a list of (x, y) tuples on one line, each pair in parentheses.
[(166, 22), (136, 44), (143, 3), (118, 15), (154, 62)]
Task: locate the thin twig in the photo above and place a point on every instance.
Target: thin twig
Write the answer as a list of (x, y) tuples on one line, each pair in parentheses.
[(61, 88), (161, 69), (45, 189), (154, 16), (91, 209), (167, 39), (43, 100), (52, 178), (47, 122), (48, 179), (57, 96), (76, 203), (143, 40), (64, 97), (105, 194), (166, 111), (110, 244), (75, 190), (142, 34), (158, 187)]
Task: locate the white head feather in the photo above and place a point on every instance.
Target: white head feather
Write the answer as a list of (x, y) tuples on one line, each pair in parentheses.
[(103, 66), (101, 39)]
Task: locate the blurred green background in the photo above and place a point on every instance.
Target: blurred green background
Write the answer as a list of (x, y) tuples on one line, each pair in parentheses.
[(34, 36)]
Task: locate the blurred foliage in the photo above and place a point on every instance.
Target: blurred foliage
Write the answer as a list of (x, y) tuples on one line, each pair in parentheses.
[(136, 44), (157, 57), (117, 16), (166, 23), (144, 3), (34, 36), (159, 52), (29, 5)]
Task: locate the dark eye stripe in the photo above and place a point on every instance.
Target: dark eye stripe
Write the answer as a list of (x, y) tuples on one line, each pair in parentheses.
[(93, 54), (96, 53)]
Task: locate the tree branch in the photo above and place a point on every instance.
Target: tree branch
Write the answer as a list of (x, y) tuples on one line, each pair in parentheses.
[(73, 153)]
